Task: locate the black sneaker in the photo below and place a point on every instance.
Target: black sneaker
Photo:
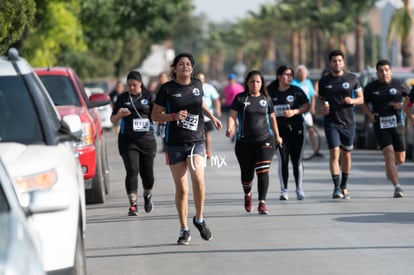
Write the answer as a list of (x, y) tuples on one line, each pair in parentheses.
[(133, 210), (148, 203), (204, 231), (337, 193), (398, 192), (184, 237)]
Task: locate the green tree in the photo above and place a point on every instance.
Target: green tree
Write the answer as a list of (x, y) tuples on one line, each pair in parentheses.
[(16, 16), (401, 28), (57, 31)]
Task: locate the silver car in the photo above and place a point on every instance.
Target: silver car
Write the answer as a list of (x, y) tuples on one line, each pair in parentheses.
[(36, 146), (19, 243)]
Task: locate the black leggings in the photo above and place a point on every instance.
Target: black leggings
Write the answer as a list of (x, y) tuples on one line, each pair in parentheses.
[(256, 156), (293, 138), (137, 162)]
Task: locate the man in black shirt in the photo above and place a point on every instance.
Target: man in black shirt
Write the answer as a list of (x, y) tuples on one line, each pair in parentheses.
[(340, 92), (383, 102)]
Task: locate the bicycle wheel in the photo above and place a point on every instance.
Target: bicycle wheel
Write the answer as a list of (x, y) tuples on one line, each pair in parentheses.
[(312, 143)]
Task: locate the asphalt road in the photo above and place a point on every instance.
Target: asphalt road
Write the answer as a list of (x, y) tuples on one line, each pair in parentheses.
[(370, 234)]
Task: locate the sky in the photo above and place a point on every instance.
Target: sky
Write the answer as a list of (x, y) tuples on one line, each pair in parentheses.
[(229, 10)]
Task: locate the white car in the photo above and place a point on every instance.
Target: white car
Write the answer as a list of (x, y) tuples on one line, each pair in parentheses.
[(19, 242), (36, 146)]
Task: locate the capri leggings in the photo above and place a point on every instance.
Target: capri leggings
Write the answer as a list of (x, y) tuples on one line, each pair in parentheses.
[(135, 163), (293, 138), (256, 156)]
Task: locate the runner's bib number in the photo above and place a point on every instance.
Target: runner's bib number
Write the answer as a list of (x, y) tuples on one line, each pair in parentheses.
[(141, 124), (280, 109), (190, 122), (387, 122)]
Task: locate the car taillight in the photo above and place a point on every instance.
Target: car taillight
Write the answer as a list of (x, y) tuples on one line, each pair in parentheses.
[(43, 180), (86, 138)]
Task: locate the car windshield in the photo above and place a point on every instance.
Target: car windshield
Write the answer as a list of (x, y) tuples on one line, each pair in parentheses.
[(19, 121), (61, 90)]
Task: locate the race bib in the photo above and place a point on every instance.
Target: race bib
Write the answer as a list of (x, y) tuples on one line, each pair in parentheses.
[(141, 124), (280, 109), (190, 122), (387, 122)]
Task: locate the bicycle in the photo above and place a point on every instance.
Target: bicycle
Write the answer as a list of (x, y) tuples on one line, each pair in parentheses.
[(312, 144)]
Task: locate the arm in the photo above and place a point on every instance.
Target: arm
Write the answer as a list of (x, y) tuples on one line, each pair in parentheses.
[(217, 106), (275, 128), (292, 112), (372, 116), (231, 123), (357, 100), (206, 111), (122, 112), (158, 114)]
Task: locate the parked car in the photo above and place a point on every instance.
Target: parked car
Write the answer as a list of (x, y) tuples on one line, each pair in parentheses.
[(19, 243), (68, 94), (37, 148)]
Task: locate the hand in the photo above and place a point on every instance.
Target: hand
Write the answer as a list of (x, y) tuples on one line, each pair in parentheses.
[(124, 112), (229, 132), (373, 117), (217, 123), (325, 110), (279, 141), (289, 113), (348, 100)]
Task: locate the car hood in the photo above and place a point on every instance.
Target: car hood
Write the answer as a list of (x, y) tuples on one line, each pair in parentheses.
[(25, 160)]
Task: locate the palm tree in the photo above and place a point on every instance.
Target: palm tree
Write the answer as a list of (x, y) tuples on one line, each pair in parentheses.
[(401, 28)]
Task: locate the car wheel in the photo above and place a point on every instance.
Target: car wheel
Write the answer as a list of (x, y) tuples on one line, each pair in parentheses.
[(97, 193), (80, 258), (105, 165)]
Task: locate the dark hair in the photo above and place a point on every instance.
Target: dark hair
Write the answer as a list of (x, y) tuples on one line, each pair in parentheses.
[(249, 75), (175, 62), (282, 69), (135, 75), (336, 53), (383, 62)]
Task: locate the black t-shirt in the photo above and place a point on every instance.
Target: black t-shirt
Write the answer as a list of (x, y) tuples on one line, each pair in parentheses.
[(379, 95), (253, 115), (292, 98), (334, 89), (138, 125), (176, 97)]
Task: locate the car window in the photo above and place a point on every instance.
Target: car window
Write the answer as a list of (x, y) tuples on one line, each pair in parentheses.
[(19, 121), (61, 90)]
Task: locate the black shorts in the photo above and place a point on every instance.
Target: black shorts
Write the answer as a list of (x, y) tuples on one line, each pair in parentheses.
[(209, 126), (391, 136)]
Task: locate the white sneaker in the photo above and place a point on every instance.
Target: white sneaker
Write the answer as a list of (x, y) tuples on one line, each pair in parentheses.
[(300, 195), (284, 195)]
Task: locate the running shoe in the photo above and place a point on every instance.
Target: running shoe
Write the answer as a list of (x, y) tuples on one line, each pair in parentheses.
[(133, 210), (337, 193), (148, 203), (398, 192), (300, 195), (248, 204), (284, 195), (204, 230), (345, 194), (262, 208), (184, 237)]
